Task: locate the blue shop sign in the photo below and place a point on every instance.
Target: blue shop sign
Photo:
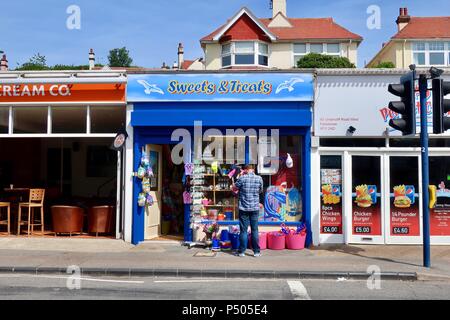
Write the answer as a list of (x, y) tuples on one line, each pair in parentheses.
[(220, 87)]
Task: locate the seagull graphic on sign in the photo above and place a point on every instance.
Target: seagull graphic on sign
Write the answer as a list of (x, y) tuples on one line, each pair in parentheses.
[(149, 88), (288, 85)]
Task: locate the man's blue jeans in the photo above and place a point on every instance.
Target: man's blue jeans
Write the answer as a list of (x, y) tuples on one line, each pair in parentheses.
[(247, 218)]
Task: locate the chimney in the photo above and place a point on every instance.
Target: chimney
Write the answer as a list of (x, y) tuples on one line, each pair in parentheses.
[(4, 63), (403, 19), (91, 59), (278, 6), (180, 56)]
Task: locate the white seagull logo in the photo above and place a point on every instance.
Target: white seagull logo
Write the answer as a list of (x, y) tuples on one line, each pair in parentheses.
[(288, 85), (149, 88)]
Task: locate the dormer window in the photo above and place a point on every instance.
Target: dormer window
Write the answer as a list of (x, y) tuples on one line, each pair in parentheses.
[(245, 53)]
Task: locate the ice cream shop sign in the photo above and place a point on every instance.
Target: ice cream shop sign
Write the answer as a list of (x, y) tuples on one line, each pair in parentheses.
[(34, 90), (63, 92)]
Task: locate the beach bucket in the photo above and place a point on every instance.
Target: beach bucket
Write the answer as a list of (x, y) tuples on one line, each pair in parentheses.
[(228, 215), (234, 238), (216, 244), (295, 241), (224, 235), (276, 241), (262, 240)]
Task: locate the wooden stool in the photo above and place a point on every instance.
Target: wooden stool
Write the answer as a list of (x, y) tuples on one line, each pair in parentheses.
[(7, 222), (36, 200)]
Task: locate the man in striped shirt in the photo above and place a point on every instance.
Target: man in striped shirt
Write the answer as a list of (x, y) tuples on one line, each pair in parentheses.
[(250, 186)]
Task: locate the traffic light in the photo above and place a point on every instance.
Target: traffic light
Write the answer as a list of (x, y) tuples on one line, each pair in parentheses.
[(441, 106), (406, 108)]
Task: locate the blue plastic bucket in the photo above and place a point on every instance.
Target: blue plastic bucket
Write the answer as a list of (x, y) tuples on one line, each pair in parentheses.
[(228, 215), (224, 235), (234, 238)]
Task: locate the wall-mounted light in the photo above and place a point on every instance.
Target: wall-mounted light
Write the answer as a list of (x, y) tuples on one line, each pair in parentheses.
[(351, 130)]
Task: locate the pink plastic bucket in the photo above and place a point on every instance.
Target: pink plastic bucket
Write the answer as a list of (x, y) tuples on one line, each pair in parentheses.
[(276, 241), (295, 241), (262, 240)]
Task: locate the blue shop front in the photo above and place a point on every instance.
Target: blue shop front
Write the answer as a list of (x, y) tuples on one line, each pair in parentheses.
[(193, 132)]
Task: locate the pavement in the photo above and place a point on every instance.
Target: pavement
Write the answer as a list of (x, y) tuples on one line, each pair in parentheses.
[(166, 258)]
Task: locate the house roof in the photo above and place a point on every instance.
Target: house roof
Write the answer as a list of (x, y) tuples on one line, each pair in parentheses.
[(186, 64), (425, 28), (302, 29)]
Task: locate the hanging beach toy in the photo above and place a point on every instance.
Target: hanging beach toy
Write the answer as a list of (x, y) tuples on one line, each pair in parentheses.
[(215, 167), (145, 161), (149, 199), (149, 171), (146, 185), (289, 161), (141, 200), (141, 172)]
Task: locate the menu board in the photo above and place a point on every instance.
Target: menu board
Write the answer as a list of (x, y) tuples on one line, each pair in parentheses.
[(331, 201), (366, 211), (439, 210), (405, 220)]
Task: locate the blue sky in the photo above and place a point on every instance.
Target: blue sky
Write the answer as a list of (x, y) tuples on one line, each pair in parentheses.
[(151, 29)]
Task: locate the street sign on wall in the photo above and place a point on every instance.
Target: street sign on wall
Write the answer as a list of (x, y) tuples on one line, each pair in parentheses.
[(358, 101)]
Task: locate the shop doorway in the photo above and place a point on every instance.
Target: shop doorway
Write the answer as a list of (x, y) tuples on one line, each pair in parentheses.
[(365, 199), (153, 212), (165, 218)]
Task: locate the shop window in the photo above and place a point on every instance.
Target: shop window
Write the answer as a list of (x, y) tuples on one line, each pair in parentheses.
[(282, 188), (69, 119), (439, 190), (4, 120), (30, 119), (331, 194), (281, 197), (107, 119), (349, 142)]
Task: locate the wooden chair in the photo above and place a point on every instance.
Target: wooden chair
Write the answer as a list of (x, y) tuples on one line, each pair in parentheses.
[(7, 222), (36, 200)]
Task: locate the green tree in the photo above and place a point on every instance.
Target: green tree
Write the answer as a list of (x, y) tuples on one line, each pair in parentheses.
[(36, 62), (119, 57), (316, 60), (386, 65)]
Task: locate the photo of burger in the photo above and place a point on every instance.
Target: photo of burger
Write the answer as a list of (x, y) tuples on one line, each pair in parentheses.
[(363, 198), (400, 198), (402, 202)]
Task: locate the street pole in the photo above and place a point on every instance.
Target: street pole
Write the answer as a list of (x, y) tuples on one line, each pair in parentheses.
[(423, 87)]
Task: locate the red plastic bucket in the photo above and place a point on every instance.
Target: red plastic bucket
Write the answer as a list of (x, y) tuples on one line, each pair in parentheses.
[(262, 240), (276, 241), (295, 241)]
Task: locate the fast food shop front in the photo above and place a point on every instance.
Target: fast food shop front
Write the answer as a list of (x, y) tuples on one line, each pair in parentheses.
[(366, 176)]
